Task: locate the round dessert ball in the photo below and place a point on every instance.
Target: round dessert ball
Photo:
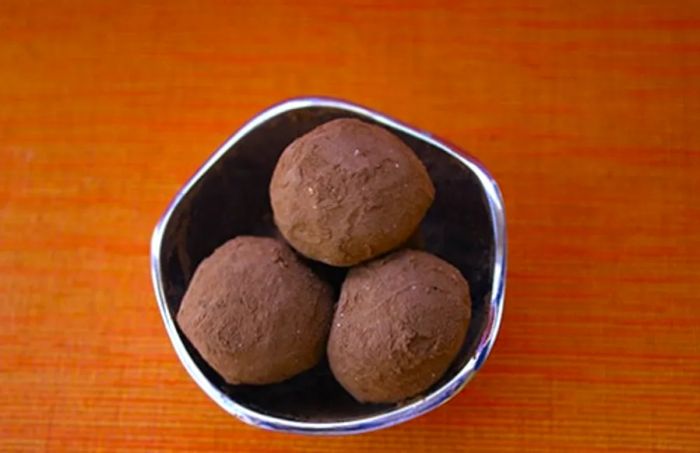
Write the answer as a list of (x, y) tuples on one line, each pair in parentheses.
[(255, 313), (400, 322), (349, 191)]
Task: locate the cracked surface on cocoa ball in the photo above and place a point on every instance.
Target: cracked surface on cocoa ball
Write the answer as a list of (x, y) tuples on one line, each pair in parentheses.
[(399, 324), (348, 191), (255, 313)]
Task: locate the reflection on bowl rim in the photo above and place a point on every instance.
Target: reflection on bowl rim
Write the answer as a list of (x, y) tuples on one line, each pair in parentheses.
[(392, 416)]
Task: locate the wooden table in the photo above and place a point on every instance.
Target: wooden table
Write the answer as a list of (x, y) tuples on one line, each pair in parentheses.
[(587, 113)]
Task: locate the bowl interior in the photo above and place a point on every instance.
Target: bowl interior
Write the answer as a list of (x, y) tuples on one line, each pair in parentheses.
[(231, 199)]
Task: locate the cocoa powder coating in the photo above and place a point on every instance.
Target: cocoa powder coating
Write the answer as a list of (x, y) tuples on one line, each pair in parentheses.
[(256, 313), (400, 322), (349, 191)]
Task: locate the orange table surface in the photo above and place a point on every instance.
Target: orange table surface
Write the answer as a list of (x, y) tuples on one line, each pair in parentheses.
[(587, 113)]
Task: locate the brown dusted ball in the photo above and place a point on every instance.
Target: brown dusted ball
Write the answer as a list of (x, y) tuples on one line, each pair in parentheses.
[(400, 323), (255, 313), (349, 191)]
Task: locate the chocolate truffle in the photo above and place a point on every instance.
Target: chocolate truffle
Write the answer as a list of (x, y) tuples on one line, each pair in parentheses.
[(349, 191), (255, 313), (400, 322)]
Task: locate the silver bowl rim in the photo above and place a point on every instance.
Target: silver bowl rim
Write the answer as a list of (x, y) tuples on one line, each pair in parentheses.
[(398, 414)]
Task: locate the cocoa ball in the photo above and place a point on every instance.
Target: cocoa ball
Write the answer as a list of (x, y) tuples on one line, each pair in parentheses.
[(348, 191), (400, 322), (255, 313)]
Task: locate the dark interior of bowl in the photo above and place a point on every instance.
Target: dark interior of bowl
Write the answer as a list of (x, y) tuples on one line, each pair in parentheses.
[(232, 199)]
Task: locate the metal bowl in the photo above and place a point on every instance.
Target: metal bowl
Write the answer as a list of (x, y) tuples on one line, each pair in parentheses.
[(228, 196)]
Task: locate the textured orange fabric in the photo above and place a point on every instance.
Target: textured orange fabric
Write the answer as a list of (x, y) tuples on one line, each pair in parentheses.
[(587, 113)]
